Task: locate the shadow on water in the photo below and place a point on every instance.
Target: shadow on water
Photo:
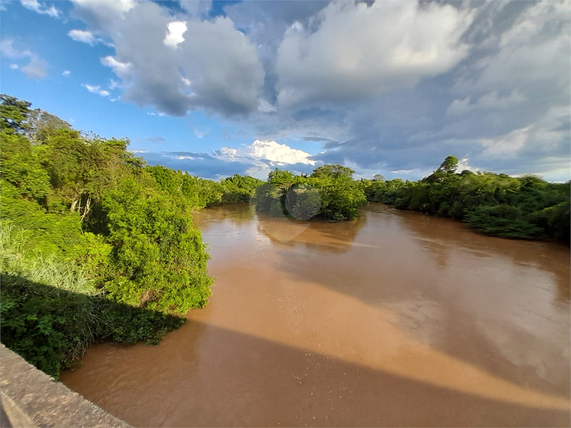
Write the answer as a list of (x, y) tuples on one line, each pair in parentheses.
[(318, 236), (51, 327), (235, 379)]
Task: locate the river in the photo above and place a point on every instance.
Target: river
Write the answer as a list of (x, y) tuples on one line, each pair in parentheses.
[(397, 318)]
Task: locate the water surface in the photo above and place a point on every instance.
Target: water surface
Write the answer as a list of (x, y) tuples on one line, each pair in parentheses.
[(394, 319)]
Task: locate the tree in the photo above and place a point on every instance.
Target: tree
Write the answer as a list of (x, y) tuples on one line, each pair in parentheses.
[(158, 258), (333, 171), (450, 165), (41, 124), (14, 113), (329, 193)]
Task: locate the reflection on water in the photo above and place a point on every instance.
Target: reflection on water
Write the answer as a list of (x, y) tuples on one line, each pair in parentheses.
[(394, 319)]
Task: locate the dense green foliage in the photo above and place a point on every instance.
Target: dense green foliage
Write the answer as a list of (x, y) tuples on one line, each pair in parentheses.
[(329, 193), (496, 204), (510, 207), (95, 244), (201, 193), (52, 308)]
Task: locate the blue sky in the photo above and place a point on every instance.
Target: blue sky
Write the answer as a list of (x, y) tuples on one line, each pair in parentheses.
[(242, 87)]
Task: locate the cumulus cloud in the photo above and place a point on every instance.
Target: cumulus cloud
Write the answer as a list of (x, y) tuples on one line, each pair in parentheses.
[(156, 57), (35, 68), (14, 66), (66, 73), (382, 86), (256, 159), (359, 50), (35, 6), (262, 156), (175, 33), (271, 151), (500, 106)]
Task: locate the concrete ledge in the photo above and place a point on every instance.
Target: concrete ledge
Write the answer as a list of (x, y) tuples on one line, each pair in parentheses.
[(30, 398)]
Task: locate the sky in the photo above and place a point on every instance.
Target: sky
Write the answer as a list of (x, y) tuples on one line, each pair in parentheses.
[(383, 87)]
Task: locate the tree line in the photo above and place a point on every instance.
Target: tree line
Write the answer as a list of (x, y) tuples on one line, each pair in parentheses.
[(525, 207)]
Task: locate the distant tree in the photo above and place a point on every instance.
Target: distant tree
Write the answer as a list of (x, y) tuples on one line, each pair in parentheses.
[(333, 171), (14, 113), (449, 165), (41, 124)]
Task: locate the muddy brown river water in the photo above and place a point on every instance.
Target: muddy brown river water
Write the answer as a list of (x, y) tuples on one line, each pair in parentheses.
[(396, 319)]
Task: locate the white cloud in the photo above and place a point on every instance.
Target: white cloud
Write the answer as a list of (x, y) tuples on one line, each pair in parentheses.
[(35, 6), (199, 134), (103, 14), (82, 36), (359, 51), (264, 150), (264, 155), (96, 90), (66, 73), (36, 68), (175, 33), (121, 69), (506, 145), (14, 66)]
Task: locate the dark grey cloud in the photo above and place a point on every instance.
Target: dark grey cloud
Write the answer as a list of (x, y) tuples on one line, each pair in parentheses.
[(318, 139)]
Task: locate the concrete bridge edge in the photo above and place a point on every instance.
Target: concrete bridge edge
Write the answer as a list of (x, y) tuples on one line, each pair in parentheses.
[(31, 398)]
